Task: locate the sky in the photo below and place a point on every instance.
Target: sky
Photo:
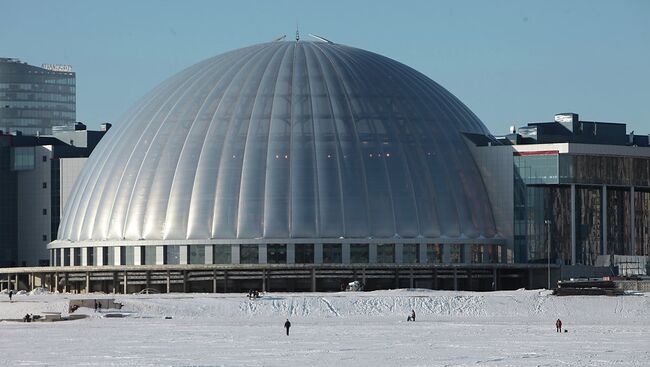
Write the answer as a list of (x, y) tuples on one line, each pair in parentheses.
[(511, 62)]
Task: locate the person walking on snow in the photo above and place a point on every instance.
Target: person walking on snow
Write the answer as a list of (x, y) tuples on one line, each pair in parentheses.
[(11, 294), (412, 315), (558, 326), (287, 325)]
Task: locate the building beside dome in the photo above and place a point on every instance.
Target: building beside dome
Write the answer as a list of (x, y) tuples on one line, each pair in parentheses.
[(306, 165)]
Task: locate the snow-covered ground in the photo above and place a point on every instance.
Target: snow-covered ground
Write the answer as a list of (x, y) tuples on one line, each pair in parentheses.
[(509, 328)]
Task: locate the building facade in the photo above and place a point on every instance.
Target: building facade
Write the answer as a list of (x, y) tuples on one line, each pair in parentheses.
[(36, 176), (578, 192), (35, 99)]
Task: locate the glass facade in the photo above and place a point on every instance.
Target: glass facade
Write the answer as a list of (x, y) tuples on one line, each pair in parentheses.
[(172, 255), (386, 253), (33, 99), (8, 207), (196, 254), (304, 253), (248, 254), (22, 158), (410, 253), (434, 253), (332, 253), (276, 254), (222, 254), (148, 256), (542, 207), (359, 253)]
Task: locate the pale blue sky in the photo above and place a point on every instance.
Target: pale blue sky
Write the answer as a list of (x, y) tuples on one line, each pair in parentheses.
[(511, 62)]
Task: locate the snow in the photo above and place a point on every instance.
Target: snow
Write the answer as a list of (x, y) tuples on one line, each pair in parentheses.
[(508, 328)]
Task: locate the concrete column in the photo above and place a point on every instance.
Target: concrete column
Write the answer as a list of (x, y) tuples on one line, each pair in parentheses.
[(372, 253), (214, 281), (603, 222), (423, 253), (399, 250), (65, 283), (234, 251), (345, 253), (56, 282), (263, 280), (363, 277), (396, 278), (225, 280), (291, 253), (160, 255), (84, 256), (99, 256), (318, 253), (169, 282), (137, 256), (183, 260), (573, 224), (17, 282), (87, 282), (209, 254), (411, 278), (148, 280), (632, 223), (184, 281), (117, 255), (115, 280), (455, 278), (126, 282), (495, 279), (313, 279), (262, 253)]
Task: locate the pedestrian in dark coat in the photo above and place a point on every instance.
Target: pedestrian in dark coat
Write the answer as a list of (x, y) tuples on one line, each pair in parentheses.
[(558, 326), (11, 294), (287, 325), (412, 315)]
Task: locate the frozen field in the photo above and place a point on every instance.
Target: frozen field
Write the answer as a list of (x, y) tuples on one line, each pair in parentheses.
[(513, 328)]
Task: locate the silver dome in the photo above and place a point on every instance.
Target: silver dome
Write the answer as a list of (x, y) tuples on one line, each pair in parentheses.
[(286, 140)]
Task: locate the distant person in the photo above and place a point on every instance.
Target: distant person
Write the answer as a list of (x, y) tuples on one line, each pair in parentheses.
[(412, 315), (27, 318), (287, 325), (558, 326), (96, 306), (11, 294)]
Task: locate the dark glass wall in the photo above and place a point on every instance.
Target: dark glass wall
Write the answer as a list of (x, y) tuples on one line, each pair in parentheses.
[(588, 225), (618, 221), (8, 210), (642, 223)]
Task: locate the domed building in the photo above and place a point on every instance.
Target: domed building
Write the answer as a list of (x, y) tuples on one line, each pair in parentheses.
[(285, 153)]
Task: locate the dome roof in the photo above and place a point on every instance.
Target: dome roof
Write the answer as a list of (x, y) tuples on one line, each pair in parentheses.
[(285, 140)]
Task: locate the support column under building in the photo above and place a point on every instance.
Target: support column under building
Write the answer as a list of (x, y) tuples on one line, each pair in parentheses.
[(126, 282), (455, 278), (87, 282), (313, 279), (214, 281), (169, 282)]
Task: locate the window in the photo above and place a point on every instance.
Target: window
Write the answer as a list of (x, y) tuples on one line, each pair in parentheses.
[(66, 257), (332, 253), (45, 185), (172, 255), (90, 256), (44, 237), (434, 253), (386, 253), (148, 255), (128, 254), (304, 253), (44, 158), (196, 254), (276, 253), (248, 254), (222, 254), (359, 253), (410, 253), (44, 211), (456, 253)]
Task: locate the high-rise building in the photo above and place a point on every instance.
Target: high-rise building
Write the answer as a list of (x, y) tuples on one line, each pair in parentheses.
[(34, 99)]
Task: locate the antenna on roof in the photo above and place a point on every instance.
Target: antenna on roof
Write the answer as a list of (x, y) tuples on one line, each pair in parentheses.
[(297, 34), (280, 38), (323, 39)]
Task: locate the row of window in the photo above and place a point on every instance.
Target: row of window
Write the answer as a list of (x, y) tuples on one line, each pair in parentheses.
[(274, 254)]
